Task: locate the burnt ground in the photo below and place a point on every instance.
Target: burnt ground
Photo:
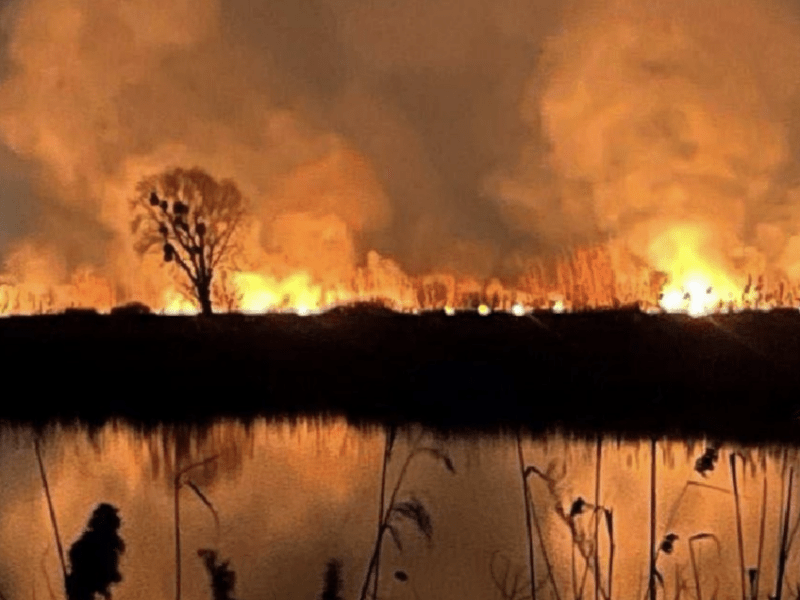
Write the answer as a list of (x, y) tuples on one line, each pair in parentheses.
[(624, 372)]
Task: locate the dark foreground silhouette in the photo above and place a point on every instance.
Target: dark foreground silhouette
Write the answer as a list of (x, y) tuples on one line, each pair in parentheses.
[(223, 579), (94, 557), (727, 376)]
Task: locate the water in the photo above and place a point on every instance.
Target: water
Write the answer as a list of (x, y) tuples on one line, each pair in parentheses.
[(289, 497)]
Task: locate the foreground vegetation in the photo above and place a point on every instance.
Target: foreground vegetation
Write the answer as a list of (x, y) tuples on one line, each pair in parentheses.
[(693, 564)]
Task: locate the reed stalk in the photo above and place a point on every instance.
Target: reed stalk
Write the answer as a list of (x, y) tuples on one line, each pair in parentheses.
[(387, 450), (374, 562), (545, 556), (784, 551), (697, 587), (739, 536), (611, 549), (761, 539), (387, 508), (598, 462), (527, 500), (51, 509), (652, 577), (177, 515)]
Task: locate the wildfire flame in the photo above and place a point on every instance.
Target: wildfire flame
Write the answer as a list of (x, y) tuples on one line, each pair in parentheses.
[(652, 142), (686, 282)]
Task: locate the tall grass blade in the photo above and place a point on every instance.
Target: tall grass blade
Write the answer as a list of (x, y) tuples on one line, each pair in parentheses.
[(761, 539), (177, 513), (695, 538), (205, 501), (598, 463), (611, 549), (784, 550), (526, 495), (697, 587), (545, 556), (374, 564), (177, 522), (739, 536), (653, 573), (51, 509)]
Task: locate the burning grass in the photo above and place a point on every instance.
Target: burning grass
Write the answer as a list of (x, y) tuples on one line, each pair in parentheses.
[(586, 279)]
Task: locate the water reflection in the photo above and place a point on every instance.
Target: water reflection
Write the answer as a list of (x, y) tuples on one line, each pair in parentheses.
[(292, 508)]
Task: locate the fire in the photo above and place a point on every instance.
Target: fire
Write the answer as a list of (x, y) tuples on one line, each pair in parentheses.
[(683, 274), (696, 283), (176, 303), (261, 293), (650, 143)]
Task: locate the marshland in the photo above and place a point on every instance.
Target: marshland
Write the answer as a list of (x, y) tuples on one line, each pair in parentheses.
[(292, 508)]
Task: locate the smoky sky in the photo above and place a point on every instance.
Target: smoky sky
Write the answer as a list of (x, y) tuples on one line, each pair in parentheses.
[(448, 135)]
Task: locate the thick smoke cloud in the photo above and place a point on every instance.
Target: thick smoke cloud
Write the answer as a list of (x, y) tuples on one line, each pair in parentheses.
[(445, 135), (670, 132)]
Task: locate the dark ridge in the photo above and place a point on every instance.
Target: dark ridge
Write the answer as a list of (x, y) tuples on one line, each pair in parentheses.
[(621, 372)]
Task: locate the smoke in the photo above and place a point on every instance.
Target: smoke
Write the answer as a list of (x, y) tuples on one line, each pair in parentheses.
[(670, 133), (447, 136)]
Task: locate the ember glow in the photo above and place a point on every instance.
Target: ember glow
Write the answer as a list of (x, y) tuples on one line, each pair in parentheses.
[(490, 156)]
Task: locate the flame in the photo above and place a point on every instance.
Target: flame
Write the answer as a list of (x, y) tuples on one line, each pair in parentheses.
[(261, 293), (176, 303), (684, 273), (697, 283)]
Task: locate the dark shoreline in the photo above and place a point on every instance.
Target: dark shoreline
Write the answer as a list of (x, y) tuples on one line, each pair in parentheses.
[(732, 377)]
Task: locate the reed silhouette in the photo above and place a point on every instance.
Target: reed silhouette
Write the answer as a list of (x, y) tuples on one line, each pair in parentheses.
[(412, 510), (332, 584), (223, 579), (94, 557)]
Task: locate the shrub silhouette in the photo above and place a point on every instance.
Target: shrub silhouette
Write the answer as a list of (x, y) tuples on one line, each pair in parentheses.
[(222, 578), (94, 557)]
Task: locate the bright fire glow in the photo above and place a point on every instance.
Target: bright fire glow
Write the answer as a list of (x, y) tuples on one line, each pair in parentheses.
[(261, 293), (176, 304), (696, 296), (684, 276), (696, 285)]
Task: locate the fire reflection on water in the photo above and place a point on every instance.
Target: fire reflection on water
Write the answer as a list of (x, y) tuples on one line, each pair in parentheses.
[(291, 496)]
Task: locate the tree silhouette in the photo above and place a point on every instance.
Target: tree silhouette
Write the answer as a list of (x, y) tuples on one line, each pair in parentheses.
[(94, 557), (194, 219)]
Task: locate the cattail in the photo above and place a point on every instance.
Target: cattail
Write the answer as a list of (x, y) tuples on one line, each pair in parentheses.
[(333, 581)]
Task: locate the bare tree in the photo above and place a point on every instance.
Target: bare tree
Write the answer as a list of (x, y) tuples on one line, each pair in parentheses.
[(194, 219)]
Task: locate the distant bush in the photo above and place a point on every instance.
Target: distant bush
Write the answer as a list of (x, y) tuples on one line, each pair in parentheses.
[(371, 307), (131, 308)]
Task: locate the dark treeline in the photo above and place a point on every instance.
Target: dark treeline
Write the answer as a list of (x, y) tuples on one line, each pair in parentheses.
[(728, 376)]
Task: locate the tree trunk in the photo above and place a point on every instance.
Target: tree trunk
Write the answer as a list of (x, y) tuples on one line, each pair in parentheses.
[(204, 295)]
